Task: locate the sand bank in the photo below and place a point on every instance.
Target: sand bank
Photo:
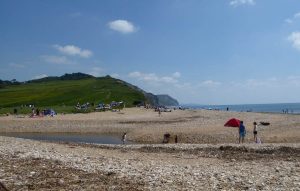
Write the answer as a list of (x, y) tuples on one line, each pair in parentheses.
[(145, 126), (35, 165)]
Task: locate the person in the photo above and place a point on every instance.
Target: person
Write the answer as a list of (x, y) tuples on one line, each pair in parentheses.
[(242, 132), (124, 138), (255, 131), (176, 139), (258, 140), (166, 138), (159, 112), (32, 112), (15, 111)]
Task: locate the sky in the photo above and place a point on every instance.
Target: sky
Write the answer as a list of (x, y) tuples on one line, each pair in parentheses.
[(197, 51)]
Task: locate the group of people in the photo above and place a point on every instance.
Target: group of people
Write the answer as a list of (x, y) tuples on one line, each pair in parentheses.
[(242, 132), (35, 112)]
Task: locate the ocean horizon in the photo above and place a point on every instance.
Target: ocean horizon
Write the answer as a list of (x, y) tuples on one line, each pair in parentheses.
[(291, 108)]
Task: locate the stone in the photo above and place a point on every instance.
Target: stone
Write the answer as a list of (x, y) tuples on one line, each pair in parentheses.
[(61, 182)]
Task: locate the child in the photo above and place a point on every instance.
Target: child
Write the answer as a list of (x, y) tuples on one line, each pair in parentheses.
[(124, 138), (258, 141), (255, 131)]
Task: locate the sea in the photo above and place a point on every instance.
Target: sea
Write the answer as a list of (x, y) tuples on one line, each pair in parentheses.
[(289, 108)]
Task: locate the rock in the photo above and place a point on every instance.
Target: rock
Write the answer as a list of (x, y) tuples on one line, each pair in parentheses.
[(61, 182)]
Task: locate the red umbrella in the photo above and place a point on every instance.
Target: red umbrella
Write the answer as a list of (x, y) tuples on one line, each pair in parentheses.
[(232, 123)]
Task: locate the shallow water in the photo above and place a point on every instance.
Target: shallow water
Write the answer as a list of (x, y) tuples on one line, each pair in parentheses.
[(69, 137), (291, 108)]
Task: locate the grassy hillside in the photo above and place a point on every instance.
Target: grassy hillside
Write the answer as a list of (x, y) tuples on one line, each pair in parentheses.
[(68, 92)]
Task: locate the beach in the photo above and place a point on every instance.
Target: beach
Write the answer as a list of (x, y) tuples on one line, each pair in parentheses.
[(205, 158), (145, 125)]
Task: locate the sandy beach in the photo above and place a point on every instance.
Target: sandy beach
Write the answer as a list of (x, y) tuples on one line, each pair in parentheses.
[(206, 157), (145, 126)]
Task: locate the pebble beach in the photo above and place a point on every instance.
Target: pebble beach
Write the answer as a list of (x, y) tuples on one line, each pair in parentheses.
[(206, 157)]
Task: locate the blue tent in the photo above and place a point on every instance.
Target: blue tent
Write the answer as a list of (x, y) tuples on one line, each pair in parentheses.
[(49, 112)]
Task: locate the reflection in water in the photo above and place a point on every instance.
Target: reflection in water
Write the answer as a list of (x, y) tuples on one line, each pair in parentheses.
[(68, 137)]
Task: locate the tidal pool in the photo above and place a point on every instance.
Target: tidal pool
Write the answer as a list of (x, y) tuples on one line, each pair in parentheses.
[(69, 137)]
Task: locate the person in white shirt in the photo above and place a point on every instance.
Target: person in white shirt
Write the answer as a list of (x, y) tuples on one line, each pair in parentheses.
[(124, 138)]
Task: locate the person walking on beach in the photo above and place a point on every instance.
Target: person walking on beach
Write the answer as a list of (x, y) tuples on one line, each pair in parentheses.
[(124, 138), (255, 132), (242, 132)]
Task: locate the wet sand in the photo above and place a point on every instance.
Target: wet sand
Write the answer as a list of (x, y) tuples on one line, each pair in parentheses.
[(145, 126), (217, 163)]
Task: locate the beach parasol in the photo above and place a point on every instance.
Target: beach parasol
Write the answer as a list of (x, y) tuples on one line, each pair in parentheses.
[(232, 123)]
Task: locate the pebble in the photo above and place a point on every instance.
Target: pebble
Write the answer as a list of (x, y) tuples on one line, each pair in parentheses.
[(160, 170)]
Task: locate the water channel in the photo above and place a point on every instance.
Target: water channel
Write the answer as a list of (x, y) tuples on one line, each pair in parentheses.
[(69, 137)]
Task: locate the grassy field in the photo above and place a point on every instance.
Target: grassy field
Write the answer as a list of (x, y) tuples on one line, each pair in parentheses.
[(63, 95)]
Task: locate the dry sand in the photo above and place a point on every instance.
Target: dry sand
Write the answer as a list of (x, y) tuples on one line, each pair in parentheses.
[(145, 126), (223, 165)]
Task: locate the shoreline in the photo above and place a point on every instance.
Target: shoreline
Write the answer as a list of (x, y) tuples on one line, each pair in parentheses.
[(145, 126), (206, 156)]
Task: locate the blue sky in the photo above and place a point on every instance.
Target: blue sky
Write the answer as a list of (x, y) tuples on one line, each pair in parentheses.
[(198, 51)]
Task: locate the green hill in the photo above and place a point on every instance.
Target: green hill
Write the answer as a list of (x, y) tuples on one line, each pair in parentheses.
[(68, 90), (64, 92), (167, 100)]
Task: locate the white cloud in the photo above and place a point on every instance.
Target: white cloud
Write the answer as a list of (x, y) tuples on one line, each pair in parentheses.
[(289, 21), (183, 85), (295, 39), (261, 83), (40, 76), (293, 80), (209, 83), (122, 26), (297, 15), (115, 75), (176, 74), (153, 78), (212, 91), (96, 71), (168, 79), (73, 51), (14, 65), (56, 59), (134, 74), (236, 3)]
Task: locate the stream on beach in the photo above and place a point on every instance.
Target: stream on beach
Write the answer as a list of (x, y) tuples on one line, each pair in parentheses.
[(69, 137)]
